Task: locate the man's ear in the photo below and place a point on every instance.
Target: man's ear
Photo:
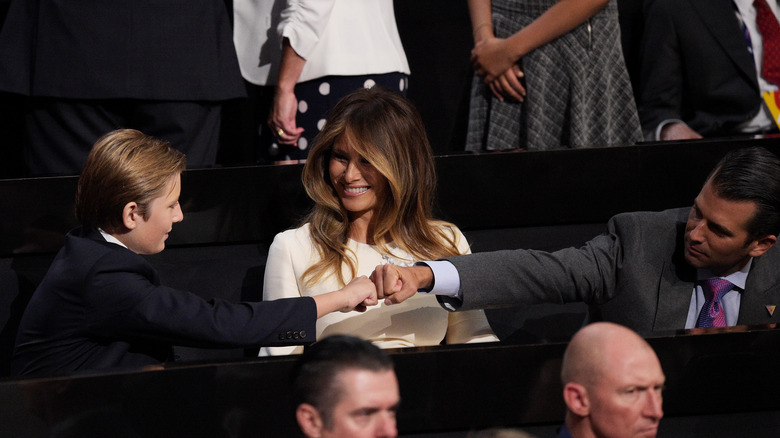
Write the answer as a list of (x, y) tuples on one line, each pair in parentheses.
[(309, 420), (762, 245), (576, 398), (131, 215)]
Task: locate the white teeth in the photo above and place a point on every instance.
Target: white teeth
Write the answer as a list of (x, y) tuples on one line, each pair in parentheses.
[(356, 190)]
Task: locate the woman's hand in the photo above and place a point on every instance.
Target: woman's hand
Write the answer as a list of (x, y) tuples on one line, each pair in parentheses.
[(282, 118), (491, 57), (508, 85)]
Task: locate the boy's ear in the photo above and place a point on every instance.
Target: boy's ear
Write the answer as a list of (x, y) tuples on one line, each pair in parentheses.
[(131, 216)]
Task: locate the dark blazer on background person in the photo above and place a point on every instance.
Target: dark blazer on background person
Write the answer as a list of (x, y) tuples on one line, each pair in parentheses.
[(87, 67), (696, 67), (101, 307), (176, 50), (635, 274)]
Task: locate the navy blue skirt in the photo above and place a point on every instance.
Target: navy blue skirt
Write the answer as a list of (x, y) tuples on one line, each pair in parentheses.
[(316, 98)]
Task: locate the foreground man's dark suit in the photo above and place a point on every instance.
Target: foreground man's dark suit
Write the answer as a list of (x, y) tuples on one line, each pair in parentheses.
[(635, 275), (101, 306)]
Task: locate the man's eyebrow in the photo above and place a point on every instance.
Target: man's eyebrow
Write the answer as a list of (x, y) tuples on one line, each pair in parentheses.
[(714, 226), (365, 410), (374, 409), (720, 229)]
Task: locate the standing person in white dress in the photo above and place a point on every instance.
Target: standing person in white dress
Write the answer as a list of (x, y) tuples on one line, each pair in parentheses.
[(372, 178)]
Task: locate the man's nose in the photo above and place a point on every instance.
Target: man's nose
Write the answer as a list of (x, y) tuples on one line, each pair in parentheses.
[(654, 405), (696, 233), (386, 427)]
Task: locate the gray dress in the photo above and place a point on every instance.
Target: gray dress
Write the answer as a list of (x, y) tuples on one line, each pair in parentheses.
[(578, 91)]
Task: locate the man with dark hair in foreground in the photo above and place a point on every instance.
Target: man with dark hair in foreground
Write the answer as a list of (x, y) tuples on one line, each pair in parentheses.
[(345, 387)]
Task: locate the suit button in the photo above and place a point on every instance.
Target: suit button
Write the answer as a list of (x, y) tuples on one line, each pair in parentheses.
[(281, 336), (289, 335), (296, 335), (303, 334)]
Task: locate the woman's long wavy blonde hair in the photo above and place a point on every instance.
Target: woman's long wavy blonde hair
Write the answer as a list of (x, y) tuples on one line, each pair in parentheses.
[(387, 131)]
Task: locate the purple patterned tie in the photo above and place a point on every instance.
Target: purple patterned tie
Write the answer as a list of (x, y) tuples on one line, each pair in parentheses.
[(712, 314)]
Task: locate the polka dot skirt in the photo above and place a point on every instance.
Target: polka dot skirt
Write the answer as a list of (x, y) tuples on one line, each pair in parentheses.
[(318, 96)]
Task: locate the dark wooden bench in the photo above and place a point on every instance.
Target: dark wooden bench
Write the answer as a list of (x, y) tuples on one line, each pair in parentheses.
[(543, 200)]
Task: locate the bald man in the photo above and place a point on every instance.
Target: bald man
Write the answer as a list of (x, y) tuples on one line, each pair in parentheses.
[(612, 384)]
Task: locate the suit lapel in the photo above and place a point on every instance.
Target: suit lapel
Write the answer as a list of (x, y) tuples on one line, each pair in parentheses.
[(762, 289), (674, 288), (724, 26), (674, 299)]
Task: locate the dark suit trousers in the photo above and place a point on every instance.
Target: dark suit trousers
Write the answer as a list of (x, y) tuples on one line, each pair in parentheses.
[(61, 132)]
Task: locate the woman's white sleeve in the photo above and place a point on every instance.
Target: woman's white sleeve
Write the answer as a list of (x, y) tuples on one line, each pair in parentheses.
[(280, 282)]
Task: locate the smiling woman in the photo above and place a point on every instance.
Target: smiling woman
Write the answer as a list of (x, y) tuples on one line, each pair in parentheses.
[(372, 178), (357, 183)]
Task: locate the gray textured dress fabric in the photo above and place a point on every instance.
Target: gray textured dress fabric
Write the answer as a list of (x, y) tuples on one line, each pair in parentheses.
[(578, 90)]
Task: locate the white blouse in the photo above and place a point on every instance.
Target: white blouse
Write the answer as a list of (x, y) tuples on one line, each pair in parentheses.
[(258, 44), (418, 321), (344, 37)]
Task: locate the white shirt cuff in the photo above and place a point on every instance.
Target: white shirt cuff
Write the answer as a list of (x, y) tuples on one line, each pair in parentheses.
[(662, 125), (446, 280)]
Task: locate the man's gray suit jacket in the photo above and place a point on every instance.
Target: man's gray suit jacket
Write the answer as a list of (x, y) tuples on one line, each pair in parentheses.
[(635, 274)]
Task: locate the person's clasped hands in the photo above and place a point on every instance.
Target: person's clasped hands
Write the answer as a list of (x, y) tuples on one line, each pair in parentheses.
[(496, 65)]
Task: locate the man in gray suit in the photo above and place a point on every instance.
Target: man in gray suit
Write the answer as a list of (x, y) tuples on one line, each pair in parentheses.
[(647, 271)]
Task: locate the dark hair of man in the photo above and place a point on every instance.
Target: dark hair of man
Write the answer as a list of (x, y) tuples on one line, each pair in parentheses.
[(751, 174), (124, 166), (315, 376)]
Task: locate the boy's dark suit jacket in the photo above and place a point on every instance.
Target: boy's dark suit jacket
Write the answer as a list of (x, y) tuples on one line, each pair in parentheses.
[(101, 306)]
